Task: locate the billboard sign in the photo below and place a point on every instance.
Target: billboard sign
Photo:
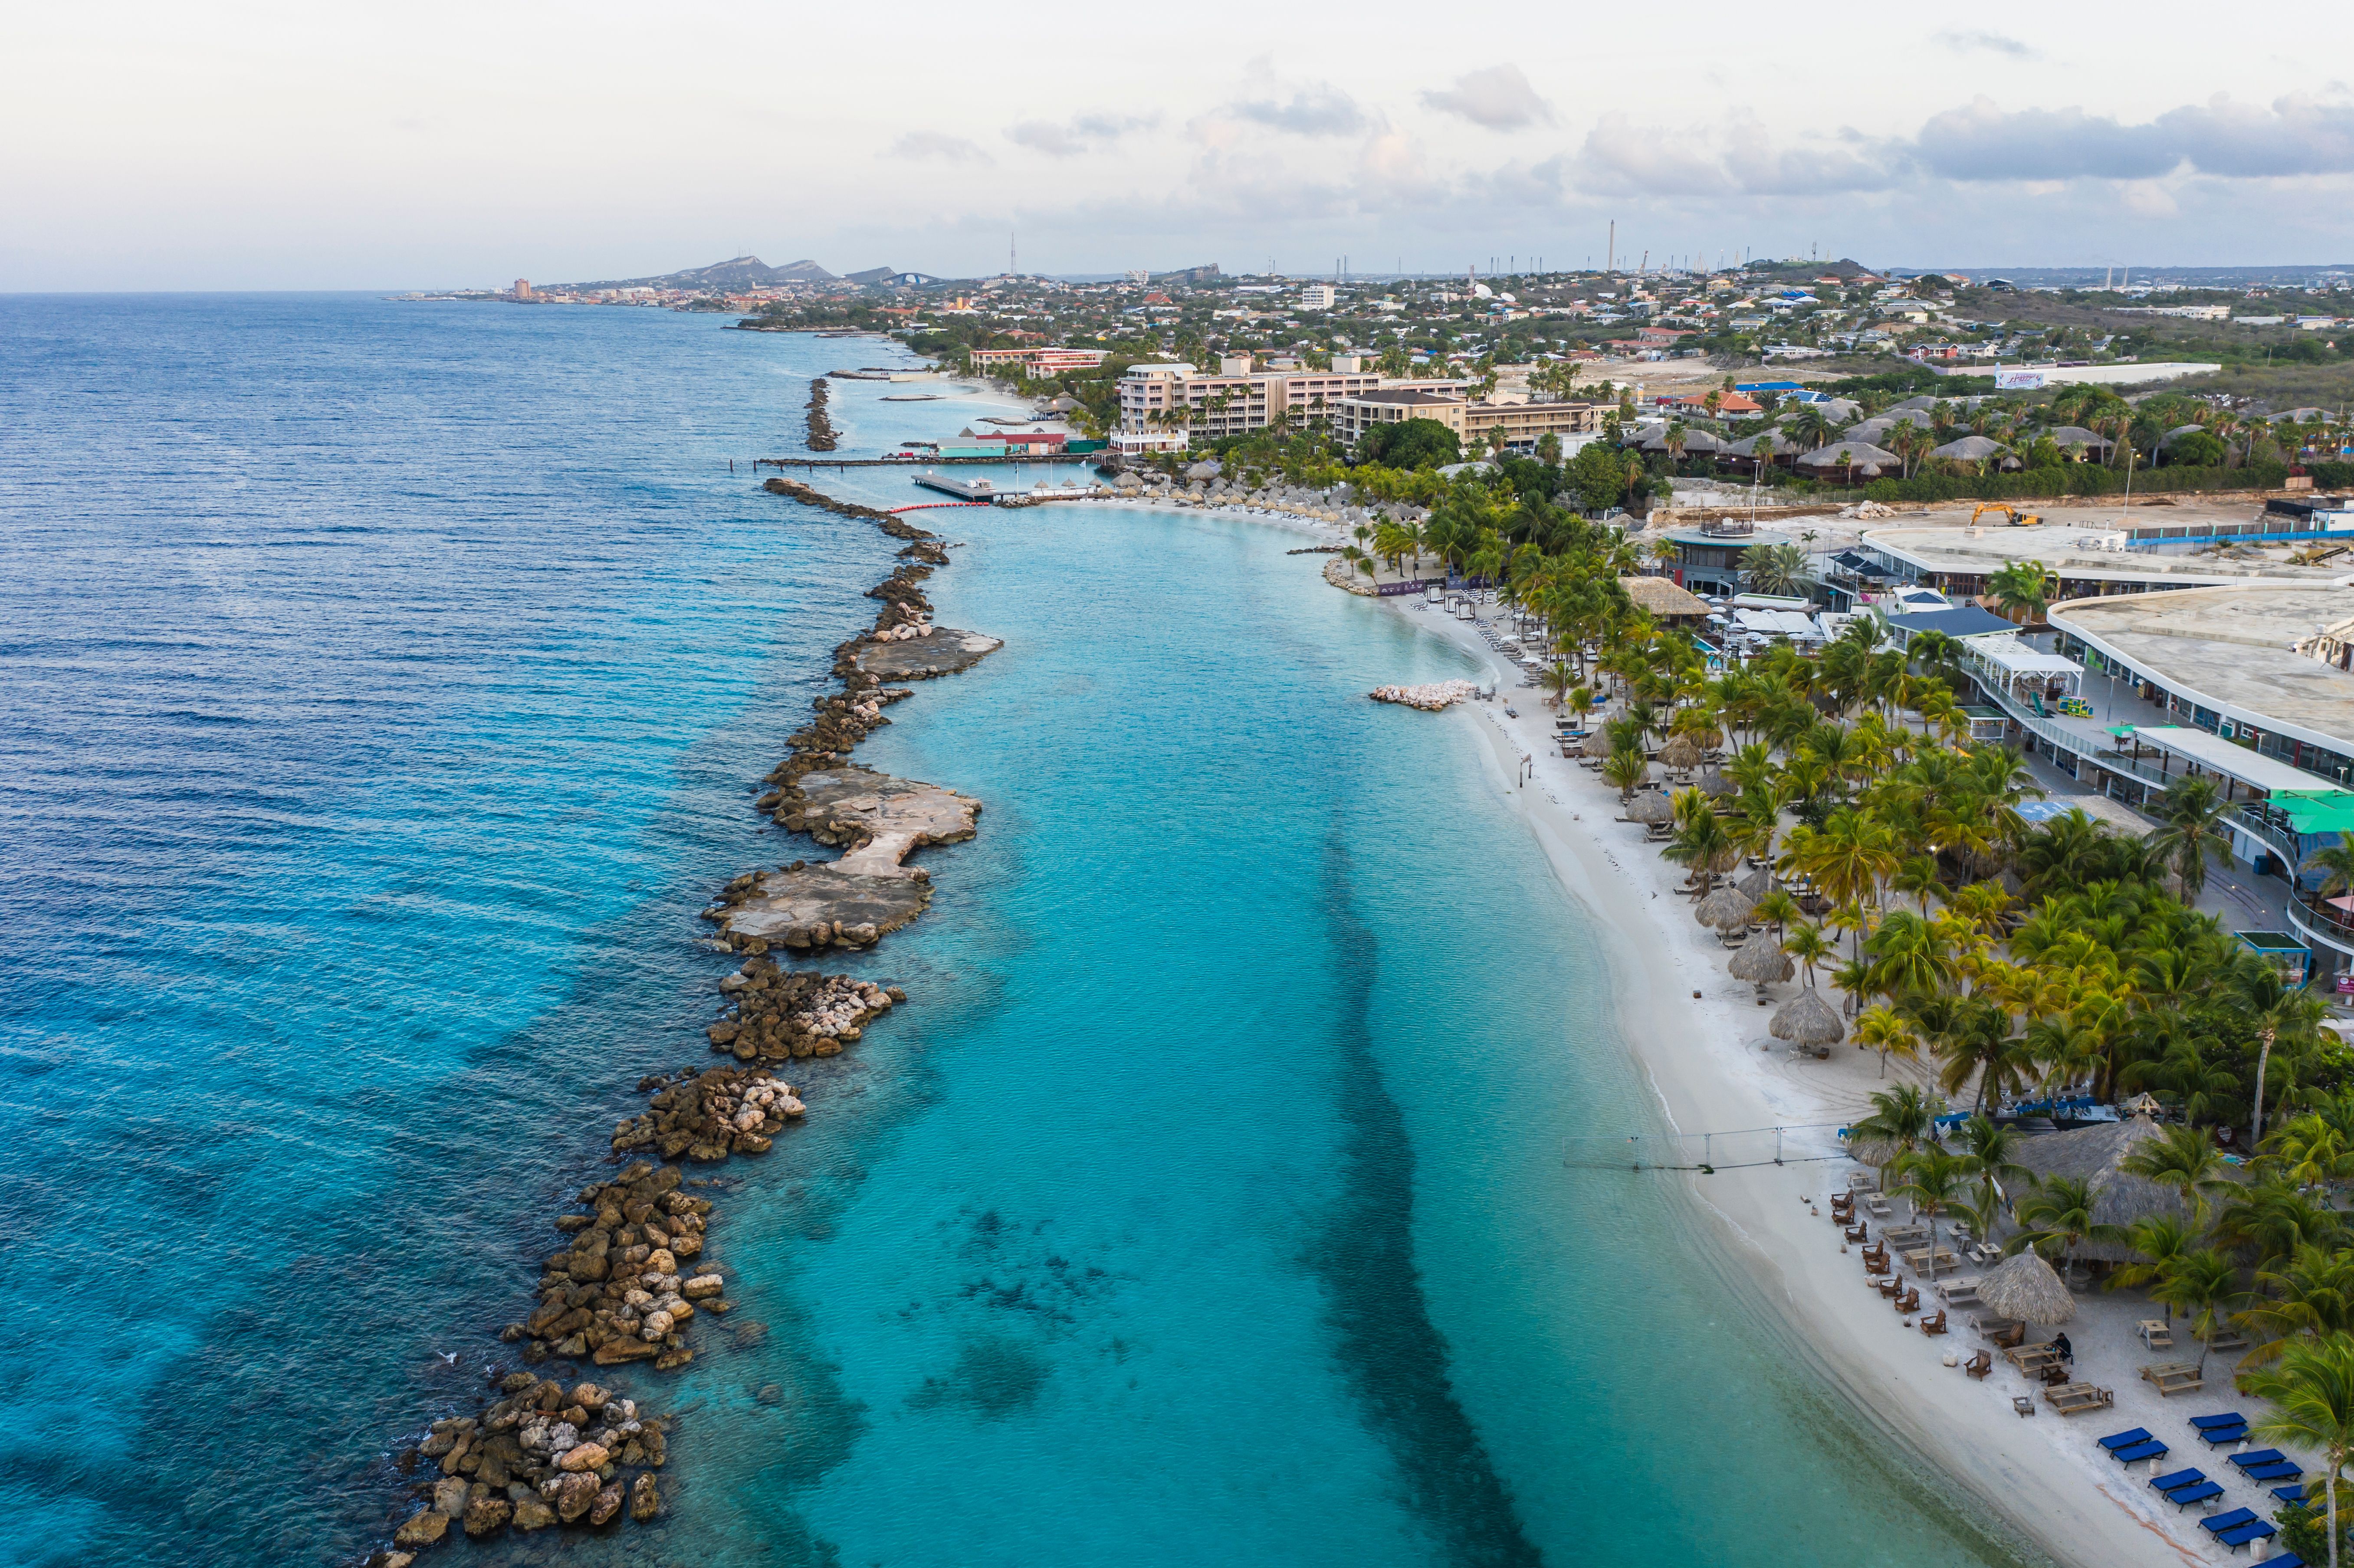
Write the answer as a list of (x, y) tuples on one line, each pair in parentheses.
[(2018, 380)]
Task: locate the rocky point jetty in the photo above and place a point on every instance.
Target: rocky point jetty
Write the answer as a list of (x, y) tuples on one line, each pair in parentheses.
[(631, 1280), (822, 438), (1431, 698)]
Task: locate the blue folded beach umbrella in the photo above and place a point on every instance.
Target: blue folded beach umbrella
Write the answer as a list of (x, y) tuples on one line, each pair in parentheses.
[(2126, 1439), (2229, 1418)]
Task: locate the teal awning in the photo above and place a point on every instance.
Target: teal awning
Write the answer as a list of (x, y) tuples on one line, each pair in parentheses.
[(2316, 810)]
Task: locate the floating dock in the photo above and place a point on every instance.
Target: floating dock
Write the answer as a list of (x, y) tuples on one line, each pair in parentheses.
[(963, 488)]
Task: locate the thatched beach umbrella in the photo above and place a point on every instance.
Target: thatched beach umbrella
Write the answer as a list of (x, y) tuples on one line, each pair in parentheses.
[(1680, 753), (1598, 746), (1807, 1022), (1761, 964), (1757, 883), (1651, 806), (2026, 1288), (1715, 785), (1727, 909)]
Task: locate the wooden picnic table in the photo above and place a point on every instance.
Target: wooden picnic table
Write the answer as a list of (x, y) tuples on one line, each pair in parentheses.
[(2174, 1377), (1923, 1262), (2032, 1359), (2156, 1332), (2076, 1398)]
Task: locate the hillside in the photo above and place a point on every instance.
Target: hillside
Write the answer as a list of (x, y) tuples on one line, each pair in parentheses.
[(737, 272)]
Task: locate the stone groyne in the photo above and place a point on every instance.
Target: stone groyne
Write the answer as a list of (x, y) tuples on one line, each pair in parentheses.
[(629, 1280), (822, 437)]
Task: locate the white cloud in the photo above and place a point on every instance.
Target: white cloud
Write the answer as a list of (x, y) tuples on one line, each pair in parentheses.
[(1735, 158), (1081, 134), (1498, 98), (933, 145), (1965, 42), (2222, 137)]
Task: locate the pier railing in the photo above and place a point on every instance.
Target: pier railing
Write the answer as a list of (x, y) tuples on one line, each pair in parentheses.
[(1793, 1143)]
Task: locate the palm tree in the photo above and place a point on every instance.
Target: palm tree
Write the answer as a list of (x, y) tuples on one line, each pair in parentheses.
[(2199, 1285), (1806, 944), (2184, 1159), (2336, 862), (1932, 1181), (2277, 1008), (2312, 1394), (2190, 811), (1779, 569), (2309, 1297), (1902, 1117), (2017, 587), (1886, 1031), (1626, 769), (2056, 1211), (2161, 1242)]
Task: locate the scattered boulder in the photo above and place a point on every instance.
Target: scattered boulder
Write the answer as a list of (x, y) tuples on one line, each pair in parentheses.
[(645, 1499), (487, 1516), (424, 1528)]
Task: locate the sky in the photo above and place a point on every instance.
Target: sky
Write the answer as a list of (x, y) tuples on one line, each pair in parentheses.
[(238, 145)]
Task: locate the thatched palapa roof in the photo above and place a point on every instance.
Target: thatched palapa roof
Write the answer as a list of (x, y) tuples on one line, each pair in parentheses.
[(2025, 1288), (1761, 963), (1652, 806), (1806, 1020), (2094, 1156), (1596, 746), (1727, 909), (1663, 599)]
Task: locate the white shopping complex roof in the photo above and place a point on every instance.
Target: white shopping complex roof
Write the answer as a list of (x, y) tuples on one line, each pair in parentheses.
[(2021, 658), (2217, 755)]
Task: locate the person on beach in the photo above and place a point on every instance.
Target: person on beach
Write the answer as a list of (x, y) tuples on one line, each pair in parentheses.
[(2067, 1352)]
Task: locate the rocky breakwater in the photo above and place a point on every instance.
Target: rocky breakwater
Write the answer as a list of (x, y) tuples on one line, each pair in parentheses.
[(774, 1014), (822, 437), (1429, 699)]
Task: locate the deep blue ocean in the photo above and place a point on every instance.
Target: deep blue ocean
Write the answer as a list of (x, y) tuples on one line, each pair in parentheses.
[(388, 684)]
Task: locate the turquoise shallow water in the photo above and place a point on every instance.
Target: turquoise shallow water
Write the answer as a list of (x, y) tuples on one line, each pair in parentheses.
[(391, 683)]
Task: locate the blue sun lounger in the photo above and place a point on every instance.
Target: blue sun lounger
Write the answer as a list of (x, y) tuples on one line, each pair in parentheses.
[(2198, 1491), (2283, 1560), (2173, 1478), (2293, 1496), (2238, 1535), (2278, 1470), (2229, 1418), (2223, 1524), (2126, 1439), (2260, 1457), (2223, 1436), (2153, 1449)]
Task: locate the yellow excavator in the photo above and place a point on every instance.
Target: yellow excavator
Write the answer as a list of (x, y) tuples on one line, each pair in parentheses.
[(2010, 514)]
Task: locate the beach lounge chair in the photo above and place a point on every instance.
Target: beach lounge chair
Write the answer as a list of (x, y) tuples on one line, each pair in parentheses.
[(2155, 1334), (2240, 1535), (2216, 1524), (2153, 1449), (2291, 1497), (1875, 1263), (2173, 1377), (1978, 1365), (2116, 1440), (2227, 1418), (2173, 1478), (2278, 1470), (1934, 1322), (2076, 1398), (2198, 1491), (2004, 1332), (1859, 1233), (2257, 1457), (2225, 1437)]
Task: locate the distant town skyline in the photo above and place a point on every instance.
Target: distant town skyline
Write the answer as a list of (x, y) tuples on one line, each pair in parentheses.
[(242, 147)]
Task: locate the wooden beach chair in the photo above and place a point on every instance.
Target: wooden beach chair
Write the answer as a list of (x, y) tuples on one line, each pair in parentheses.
[(1857, 1232), (2005, 1333), (2076, 1398), (2174, 1377), (1908, 1300), (1934, 1322), (1978, 1365)]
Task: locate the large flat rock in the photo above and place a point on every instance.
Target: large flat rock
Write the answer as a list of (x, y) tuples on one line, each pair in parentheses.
[(945, 652), (851, 901)]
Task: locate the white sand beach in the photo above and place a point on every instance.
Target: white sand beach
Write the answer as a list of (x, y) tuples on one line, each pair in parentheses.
[(1716, 1070)]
